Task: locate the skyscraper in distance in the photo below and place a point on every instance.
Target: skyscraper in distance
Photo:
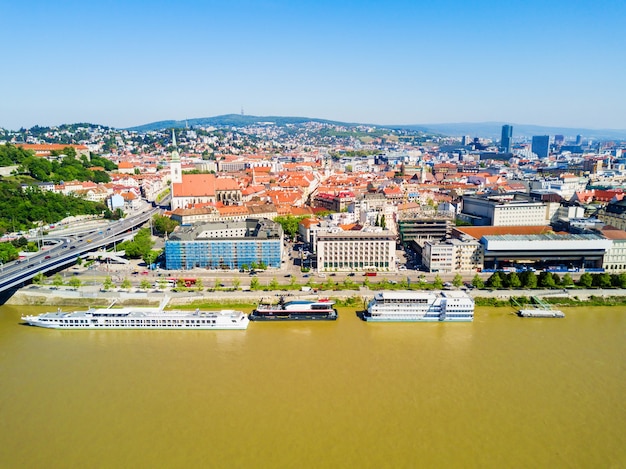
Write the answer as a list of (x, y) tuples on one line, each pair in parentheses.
[(541, 145), (505, 141)]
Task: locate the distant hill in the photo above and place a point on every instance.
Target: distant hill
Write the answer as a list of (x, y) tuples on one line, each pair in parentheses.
[(473, 129), (231, 120)]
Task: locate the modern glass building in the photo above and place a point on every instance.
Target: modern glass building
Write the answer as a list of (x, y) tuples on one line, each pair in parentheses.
[(505, 140), (225, 245)]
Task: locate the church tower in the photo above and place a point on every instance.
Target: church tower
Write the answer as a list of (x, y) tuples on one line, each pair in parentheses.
[(176, 173)]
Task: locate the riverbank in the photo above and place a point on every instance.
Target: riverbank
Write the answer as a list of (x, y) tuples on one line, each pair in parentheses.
[(93, 296)]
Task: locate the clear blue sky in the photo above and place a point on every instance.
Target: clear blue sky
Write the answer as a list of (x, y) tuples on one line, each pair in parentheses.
[(125, 63)]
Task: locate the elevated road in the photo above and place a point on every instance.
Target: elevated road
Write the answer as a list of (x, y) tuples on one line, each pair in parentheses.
[(63, 251)]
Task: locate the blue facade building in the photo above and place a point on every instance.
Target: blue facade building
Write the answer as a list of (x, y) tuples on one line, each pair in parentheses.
[(225, 245)]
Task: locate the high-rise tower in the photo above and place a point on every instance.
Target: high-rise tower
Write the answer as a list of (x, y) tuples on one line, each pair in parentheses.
[(507, 136), (541, 145)]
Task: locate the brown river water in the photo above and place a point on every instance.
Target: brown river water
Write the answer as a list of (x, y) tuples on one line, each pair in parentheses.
[(501, 392)]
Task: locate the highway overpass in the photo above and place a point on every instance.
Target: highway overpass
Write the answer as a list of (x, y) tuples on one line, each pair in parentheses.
[(63, 251)]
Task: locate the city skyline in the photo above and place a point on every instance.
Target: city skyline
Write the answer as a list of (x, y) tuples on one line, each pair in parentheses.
[(127, 64)]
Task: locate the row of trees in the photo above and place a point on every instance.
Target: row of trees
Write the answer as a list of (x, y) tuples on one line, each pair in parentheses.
[(530, 279)]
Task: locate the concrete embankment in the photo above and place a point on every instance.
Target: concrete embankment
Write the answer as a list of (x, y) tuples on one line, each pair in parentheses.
[(93, 296)]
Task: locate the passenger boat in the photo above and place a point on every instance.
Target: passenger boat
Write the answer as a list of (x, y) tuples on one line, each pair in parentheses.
[(139, 318), (420, 306), (295, 310)]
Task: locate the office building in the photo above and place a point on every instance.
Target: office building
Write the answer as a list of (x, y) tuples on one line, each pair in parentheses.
[(504, 211), (541, 145), (507, 136), (225, 245), (353, 251)]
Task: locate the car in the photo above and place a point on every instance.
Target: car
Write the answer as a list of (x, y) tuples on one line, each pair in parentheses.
[(351, 274), (47, 257), (72, 247)]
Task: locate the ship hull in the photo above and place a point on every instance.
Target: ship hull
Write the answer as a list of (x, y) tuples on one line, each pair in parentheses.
[(292, 317)]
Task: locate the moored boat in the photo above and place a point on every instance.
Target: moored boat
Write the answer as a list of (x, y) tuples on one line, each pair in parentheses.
[(420, 306), (139, 318), (295, 310)]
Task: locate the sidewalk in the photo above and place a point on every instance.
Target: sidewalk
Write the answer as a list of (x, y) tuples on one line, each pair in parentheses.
[(93, 296)]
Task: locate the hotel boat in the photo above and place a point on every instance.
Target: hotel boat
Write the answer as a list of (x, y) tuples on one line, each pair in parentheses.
[(139, 318), (295, 310), (420, 306)]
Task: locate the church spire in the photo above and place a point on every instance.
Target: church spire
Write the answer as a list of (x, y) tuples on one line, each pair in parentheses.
[(175, 155), (176, 173)]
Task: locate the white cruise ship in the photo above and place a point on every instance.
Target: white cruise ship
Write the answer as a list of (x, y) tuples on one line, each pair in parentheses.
[(140, 318), (416, 306)]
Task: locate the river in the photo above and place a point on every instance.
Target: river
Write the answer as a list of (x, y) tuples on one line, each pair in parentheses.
[(501, 392)]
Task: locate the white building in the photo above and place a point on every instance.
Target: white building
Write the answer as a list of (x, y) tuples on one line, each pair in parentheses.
[(353, 251), (501, 211), (453, 255)]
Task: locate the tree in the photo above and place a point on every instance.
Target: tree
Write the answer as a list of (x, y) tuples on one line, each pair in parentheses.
[(438, 283), (8, 252), (140, 246), (236, 283), (289, 223), (273, 285), (126, 285), (585, 280), (457, 281), (621, 280), (218, 284), (57, 280), (145, 284), (513, 280), (495, 281), (163, 225), (329, 284), (529, 279), (151, 256), (162, 283), (383, 223), (262, 265), (107, 284), (567, 281), (74, 282), (477, 282), (546, 280), (602, 280), (292, 280), (254, 283), (38, 278)]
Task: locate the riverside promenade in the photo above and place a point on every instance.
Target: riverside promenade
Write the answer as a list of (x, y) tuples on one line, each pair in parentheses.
[(94, 296)]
